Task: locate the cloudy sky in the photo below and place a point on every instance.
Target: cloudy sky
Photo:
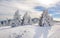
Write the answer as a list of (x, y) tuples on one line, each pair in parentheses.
[(35, 7)]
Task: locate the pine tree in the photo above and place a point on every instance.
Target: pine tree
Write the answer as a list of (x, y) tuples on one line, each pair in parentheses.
[(26, 19), (16, 15), (45, 19), (17, 18)]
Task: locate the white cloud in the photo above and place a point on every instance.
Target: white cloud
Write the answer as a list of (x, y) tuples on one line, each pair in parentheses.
[(48, 2)]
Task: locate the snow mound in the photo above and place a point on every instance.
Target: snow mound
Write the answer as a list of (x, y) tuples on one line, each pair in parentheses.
[(18, 32), (31, 31)]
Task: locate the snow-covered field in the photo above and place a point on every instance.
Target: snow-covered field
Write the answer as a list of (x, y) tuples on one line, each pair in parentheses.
[(30, 31)]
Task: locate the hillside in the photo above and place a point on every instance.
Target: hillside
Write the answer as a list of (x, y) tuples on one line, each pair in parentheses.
[(30, 31)]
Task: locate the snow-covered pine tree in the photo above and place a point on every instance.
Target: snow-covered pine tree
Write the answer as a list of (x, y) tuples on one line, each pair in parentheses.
[(26, 19), (17, 18), (45, 19)]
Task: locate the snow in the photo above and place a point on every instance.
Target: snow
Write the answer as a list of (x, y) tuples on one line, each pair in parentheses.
[(5, 27), (30, 31)]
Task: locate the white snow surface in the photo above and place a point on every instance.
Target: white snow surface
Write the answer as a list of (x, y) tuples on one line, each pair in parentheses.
[(30, 31)]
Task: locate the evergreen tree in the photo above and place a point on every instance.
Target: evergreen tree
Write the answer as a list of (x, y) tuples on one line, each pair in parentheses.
[(17, 18), (45, 19), (26, 19)]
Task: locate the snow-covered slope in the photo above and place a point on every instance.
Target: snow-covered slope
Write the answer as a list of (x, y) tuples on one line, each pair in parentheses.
[(56, 34), (21, 31), (30, 31), (54, 31)]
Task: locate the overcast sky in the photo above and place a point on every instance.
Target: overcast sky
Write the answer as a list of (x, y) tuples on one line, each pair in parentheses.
[(8, 8)]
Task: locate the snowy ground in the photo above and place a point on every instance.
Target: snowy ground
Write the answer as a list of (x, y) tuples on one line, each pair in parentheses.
[(30, 31)]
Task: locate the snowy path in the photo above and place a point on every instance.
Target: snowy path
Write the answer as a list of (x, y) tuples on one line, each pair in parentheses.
[(30, 32)]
